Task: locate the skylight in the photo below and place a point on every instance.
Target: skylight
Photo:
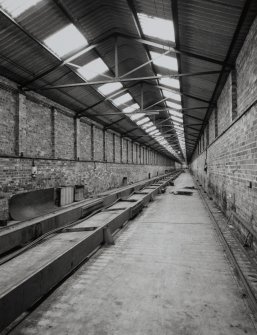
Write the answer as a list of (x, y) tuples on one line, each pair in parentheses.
[(93, 69), (109, 88), (136, 116), (171, 82), (17, 7), (175, 118), (131, 108), (175, 113), (171, 95), (154, 132), (147, 125), (144, 120), (122, 99), (164, 61), (65, 40), (156, 27), (173, 105), (150, 129)]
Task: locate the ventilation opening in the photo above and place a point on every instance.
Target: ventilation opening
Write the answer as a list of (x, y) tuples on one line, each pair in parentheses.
[(149, 175)]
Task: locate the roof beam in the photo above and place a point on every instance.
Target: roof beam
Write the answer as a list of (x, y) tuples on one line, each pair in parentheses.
[(174, 49), (114, 80)]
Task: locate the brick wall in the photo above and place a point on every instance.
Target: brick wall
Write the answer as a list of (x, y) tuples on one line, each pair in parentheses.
[(231, 176), (65, 150)]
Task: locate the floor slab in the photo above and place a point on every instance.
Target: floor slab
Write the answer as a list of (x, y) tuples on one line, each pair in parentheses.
[(166, 274)]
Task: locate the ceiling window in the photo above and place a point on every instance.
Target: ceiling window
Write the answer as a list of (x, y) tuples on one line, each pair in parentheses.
[(147, 125), (131, 108), (93, 69), (66, 40), (171, 82), (17, 7), (156, 27), (149, 130), (109, 88), (167, 62), (154, 132), (122, 99), (173, 105), (172, 95), (175, 113), (144, 120), (136, 116), (178, 119)]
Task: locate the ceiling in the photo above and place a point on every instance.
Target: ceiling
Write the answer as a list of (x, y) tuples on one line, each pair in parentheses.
[(208, 37)]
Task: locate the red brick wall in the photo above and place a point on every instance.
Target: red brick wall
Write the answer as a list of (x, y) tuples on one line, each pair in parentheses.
[(232, 156)]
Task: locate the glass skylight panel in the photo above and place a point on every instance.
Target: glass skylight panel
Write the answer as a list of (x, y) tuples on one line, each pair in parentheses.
[(175, 113), (171, 95), (144, 120), (178, 119), (131, 108), (147, 125), (122, 99), (171, 82), (150, 129), (65, 40), (164, 61), (156, 27), (93, 69), (109, 88), (173, 105), (17, 7), (136, 116)]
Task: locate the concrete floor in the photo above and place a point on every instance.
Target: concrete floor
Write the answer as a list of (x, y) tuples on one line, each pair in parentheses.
[(166, 274)]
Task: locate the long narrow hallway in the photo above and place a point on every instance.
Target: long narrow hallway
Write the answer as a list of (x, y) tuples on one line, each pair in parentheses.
[(166, 274)]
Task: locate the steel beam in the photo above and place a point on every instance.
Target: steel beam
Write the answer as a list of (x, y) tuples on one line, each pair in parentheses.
[(115, 80), (142, 65), (172, 48)]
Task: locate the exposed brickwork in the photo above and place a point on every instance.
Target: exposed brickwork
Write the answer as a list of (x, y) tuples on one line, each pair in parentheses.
[(246, 71), (129, 152), (117, 149), (39, 131), (66, 151), (124, 151), (65, 137), (85, 141), (8, 107), (98, 144), (224, 106), (212, 127), (109, 147), (231, 176)]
